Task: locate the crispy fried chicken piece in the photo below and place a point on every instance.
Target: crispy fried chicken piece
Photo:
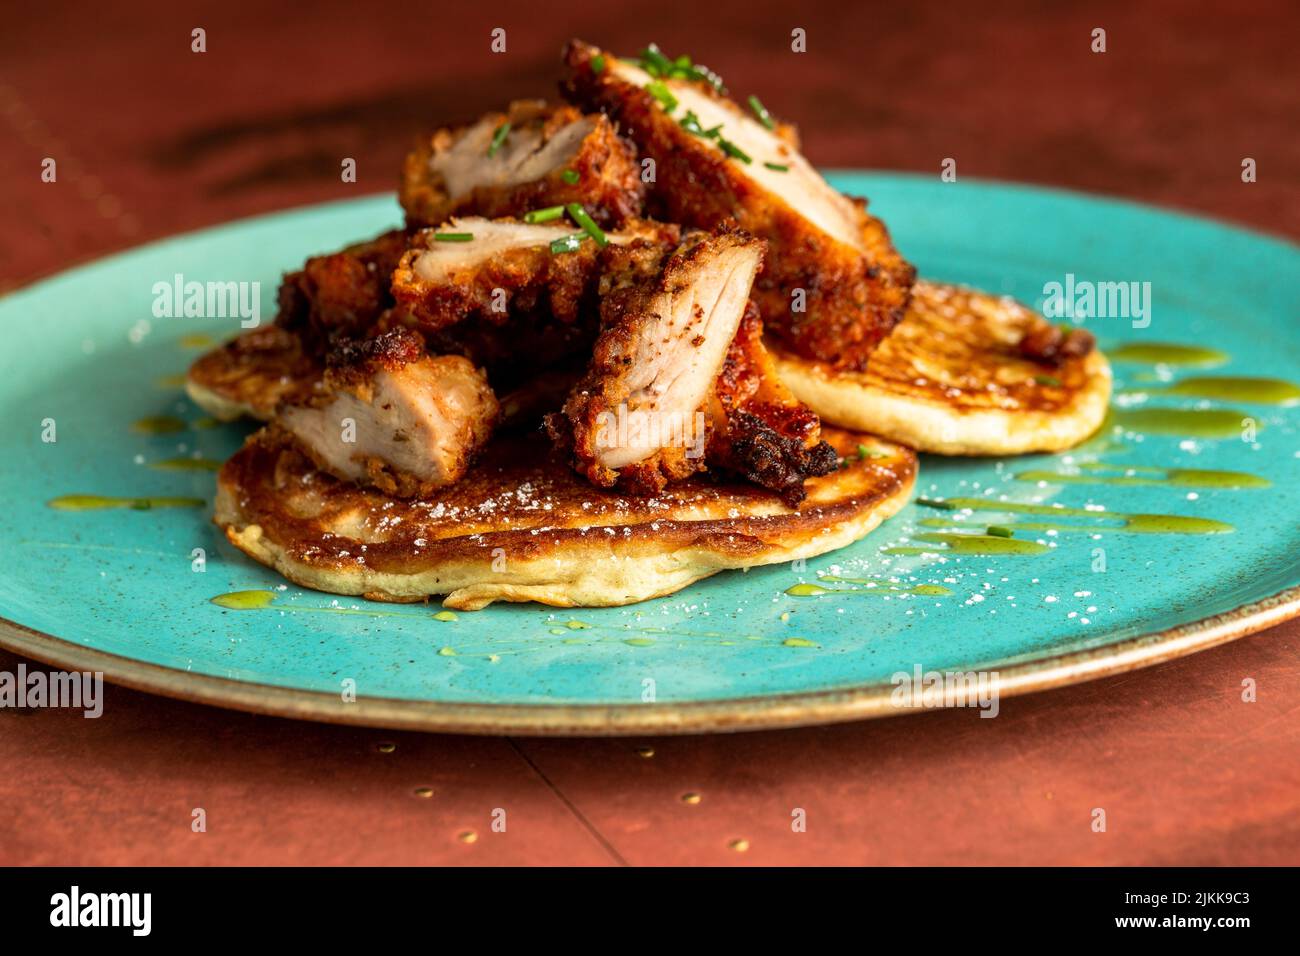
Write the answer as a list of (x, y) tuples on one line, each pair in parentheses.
[(855, 284), (1051, 345), (757, 428), (550, 155), (393, 417), (252, 373), (342, 293), (506, 272), (636, 418)]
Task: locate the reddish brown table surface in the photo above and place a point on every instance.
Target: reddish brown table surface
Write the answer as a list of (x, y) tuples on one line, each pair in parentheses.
[(152, 139)]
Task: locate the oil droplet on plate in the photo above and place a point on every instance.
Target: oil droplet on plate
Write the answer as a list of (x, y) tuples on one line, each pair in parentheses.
[(159, 425), (244, 600)]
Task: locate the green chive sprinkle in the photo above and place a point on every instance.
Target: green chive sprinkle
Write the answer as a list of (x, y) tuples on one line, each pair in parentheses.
[(498, 138), (1051, 380), (654, 62), (713, 133), (454, 236), (544, 215), (598, 63), (761, 112), (779, 167), (734, 151), (691, 123), (659, 91), (570, 176), (579, 215), (567, 243), (867, 452), (998, 531)]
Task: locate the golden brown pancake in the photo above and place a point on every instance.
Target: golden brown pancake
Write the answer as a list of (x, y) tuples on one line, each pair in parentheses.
[(522, 526), (950, 379)]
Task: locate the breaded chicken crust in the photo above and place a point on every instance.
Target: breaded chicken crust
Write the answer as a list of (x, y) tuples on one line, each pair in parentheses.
[(827, 298), (597, 169)]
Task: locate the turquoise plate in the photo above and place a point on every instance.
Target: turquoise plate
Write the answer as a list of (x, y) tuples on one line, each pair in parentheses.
[(121, 591)]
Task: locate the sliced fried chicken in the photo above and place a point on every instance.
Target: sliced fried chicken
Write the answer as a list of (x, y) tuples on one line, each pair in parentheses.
[(394, 417), (504, 270), (757, 428), (636, 418), (531, 156), (342, 293), (833, 284)]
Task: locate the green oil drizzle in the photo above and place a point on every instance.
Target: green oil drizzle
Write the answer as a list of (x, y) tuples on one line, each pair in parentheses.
[(1267, 391), (639, 642), (799, 642), (1186, 422), (871, 586), (100, 502), (1164, 353), (245, 600), (262, 600), (172, 381), (978, 544), (444, 616), (195, 341), (186, 464), (447, 652), (1130, 522), (159, 425), (1176, 477)]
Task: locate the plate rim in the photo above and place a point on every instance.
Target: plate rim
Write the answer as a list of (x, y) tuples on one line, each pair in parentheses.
[(768, 712)]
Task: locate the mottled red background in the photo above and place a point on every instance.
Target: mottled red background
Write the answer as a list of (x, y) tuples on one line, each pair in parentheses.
[(152, 139)]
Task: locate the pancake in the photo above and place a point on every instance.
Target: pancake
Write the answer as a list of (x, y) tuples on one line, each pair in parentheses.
[(522, 526), (250, 374), (950, 379)]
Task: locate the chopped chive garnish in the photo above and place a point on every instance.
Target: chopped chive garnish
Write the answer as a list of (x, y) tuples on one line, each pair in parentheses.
[(936, 503), (779, 167), (713, 133), (761, 112), (998, 531), (570, 176), (543, 215), (579, 215), (691, 123), (866, 452), (498, 138), (567, 243), (454, 236), (1048, 380), (734, 151), (652, 57), (598, 63), (659, 91)]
